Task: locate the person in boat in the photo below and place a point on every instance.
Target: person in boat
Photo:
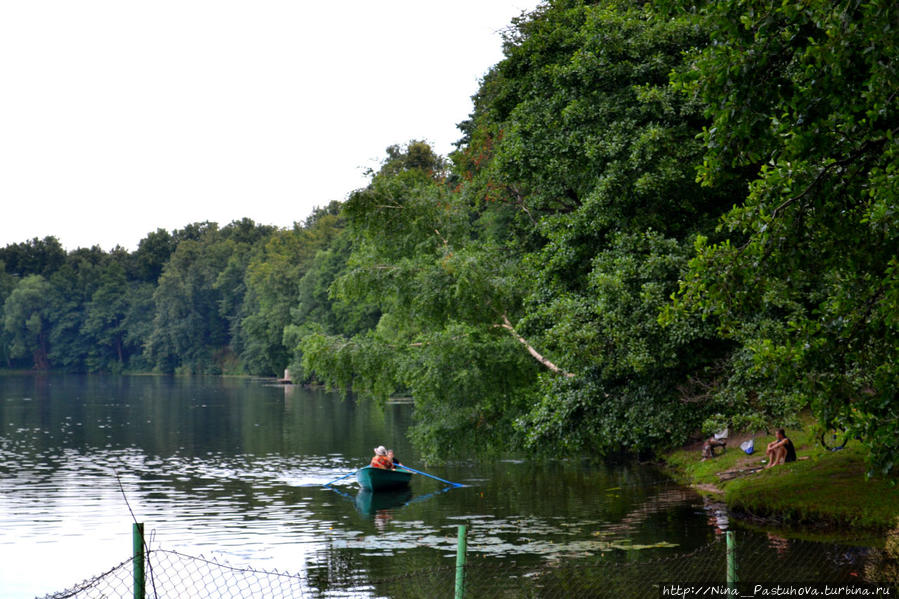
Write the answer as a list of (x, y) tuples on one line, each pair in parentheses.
[(393, 459), (781, 450), (380, 460)]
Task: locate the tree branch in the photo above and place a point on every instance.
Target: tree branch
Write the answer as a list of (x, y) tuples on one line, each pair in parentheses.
[(508, 326), (442, 238), (850, 158), (520, 201)]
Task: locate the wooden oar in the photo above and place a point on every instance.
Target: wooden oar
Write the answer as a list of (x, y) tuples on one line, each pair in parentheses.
[(341, 478), (431, 476)]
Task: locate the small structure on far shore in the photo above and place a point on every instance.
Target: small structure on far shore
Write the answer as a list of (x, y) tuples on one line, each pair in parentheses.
[(286, 380)]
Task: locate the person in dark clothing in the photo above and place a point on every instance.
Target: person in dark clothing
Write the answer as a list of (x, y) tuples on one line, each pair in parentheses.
[(781, 450)]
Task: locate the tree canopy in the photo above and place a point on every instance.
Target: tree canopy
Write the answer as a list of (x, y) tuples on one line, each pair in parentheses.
[(661, 217), (801, 272)]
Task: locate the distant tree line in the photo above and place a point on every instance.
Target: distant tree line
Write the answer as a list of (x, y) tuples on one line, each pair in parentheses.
[(201, 299), (661, 218)]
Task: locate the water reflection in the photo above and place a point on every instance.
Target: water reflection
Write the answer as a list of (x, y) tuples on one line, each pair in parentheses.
[(232, 468), (369, 503)]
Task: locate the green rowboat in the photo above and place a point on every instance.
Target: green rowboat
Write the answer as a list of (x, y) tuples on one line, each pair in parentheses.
[(378, 479)]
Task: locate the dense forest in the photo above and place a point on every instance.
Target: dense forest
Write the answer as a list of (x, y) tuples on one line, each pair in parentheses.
[(661, 217)]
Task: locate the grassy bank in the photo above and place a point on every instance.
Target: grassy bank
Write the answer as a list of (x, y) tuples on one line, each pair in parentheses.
[(822, 489)]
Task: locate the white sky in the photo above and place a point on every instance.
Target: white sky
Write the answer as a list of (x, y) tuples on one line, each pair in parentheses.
[(118, 117)]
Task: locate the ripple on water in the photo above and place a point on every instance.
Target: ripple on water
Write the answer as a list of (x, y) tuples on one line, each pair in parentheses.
[(264, 504)]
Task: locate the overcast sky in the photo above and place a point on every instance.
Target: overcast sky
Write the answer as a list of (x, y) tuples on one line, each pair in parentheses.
[(119, 117)]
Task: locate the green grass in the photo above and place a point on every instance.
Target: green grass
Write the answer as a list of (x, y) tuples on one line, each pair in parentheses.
[(687, 465), (828, 490)]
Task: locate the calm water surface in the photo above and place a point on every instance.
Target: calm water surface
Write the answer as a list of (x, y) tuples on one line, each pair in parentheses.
[(233, 469)]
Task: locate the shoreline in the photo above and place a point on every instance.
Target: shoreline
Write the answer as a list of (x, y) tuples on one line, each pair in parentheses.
[(823, 492)]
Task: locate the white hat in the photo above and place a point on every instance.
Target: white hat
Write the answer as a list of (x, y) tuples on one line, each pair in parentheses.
[(380, 450)]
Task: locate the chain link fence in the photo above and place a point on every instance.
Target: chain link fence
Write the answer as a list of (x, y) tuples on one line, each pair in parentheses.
[(760, 559)]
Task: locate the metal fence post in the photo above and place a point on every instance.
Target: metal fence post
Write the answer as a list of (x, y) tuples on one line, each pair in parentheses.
[(460, 563), (137, 543), (732, 578)]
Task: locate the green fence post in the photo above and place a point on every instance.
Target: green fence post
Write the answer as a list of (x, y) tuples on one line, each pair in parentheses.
[(137, 543), (460, 563), (732, 578)]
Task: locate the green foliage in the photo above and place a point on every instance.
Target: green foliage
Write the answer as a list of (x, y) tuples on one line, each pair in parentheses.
[(439, 299), (8, 282), (91, 316), (549, 250), (74, 284), (595, 415), (34, 257), (572, 211), (735, 156), (107, 321), (152, 253), (579, 133), (319, 310), (801, 275), (199, 298), (26, 319), (560, 234), (274, 282), (186, 323)]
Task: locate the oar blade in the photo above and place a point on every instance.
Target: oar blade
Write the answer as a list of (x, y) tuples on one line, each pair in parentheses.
[(448, 482)]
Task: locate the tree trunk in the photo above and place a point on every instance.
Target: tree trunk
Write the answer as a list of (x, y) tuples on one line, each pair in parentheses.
[(41, 361), (118, 348), (508, 326)]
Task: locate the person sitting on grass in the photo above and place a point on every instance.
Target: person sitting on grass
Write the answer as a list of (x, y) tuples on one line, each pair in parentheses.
[(781, 450), (381, 460), (708, 448)]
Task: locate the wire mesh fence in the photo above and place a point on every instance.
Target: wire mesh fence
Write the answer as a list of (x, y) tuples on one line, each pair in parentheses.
[(595, 577), (116, 582), (761, 561)]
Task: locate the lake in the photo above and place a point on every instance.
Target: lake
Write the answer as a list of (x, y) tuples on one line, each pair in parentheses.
[(233, 469)]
